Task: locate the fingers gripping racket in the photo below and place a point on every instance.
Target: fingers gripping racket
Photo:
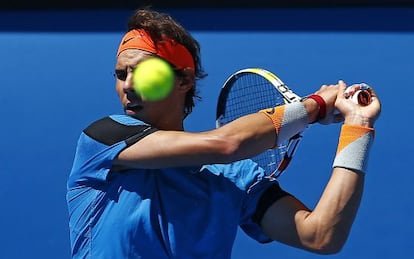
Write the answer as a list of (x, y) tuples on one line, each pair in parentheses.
[(248, 91)]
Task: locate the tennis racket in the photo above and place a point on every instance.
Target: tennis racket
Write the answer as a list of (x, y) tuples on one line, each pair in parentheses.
[(248, 91)]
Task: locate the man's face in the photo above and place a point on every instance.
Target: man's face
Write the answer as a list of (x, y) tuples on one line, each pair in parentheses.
[(147, 111)]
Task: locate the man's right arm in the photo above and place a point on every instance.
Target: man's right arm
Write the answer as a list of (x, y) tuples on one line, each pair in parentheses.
[(240, 139)]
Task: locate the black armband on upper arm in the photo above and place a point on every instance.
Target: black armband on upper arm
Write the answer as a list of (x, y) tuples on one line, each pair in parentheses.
[(108, 131), (270, 196)]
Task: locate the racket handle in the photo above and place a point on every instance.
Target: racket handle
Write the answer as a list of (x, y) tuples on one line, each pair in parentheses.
[(362, 97), (359, 94)]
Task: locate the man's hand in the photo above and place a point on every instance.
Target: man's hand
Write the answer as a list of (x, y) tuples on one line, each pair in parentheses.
[(356, 114), (329, 94)]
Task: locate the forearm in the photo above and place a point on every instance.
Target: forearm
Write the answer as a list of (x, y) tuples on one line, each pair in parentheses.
[(334, 214), (266, 129), (331, 220)]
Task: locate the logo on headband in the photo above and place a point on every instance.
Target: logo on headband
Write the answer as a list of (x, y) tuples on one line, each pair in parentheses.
[(125, 41)]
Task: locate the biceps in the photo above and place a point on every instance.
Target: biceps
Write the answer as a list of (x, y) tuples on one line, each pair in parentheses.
[(148, 152), (169, 149)]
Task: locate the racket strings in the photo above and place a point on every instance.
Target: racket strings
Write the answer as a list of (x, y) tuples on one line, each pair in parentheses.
[(251, 93)]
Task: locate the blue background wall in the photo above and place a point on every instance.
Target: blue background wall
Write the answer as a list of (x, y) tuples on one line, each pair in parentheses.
[(56, 77)]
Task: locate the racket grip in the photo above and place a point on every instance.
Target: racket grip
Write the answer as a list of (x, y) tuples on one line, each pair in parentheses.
[(362, 97), (360, 94)]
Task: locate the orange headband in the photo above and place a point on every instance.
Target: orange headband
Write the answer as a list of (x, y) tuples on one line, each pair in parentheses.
[(167, 49)]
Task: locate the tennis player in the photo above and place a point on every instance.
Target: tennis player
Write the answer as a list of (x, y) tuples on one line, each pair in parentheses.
[(142, 187)]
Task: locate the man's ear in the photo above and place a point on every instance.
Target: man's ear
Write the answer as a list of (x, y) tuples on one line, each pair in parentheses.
[(187, 79)]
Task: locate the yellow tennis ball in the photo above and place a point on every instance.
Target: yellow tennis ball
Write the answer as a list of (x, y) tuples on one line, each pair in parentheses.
[(153, 79)]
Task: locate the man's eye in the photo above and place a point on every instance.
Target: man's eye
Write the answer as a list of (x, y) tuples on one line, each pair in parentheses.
[(121, 74)]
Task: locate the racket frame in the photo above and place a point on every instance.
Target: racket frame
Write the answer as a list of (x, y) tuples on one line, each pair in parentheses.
[(288, 97)]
